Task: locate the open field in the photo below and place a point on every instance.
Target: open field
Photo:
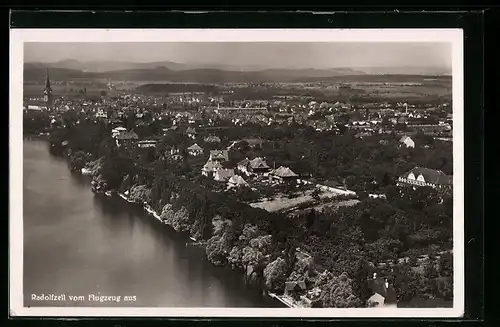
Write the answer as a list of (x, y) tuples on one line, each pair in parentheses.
[(284, 203), (346, 203)]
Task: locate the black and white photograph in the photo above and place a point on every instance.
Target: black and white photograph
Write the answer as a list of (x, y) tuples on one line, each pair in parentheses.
[(304, 173)]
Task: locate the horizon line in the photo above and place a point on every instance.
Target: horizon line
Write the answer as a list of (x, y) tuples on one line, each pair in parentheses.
[(233, 65)]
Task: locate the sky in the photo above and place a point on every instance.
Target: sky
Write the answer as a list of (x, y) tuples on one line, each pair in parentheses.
[(272, 54)]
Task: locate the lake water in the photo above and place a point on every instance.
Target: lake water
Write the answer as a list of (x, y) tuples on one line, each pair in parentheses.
[(79, 244)]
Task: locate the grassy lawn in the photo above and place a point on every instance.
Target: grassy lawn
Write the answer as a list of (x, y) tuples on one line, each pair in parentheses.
[(281, 202), (346, 203)]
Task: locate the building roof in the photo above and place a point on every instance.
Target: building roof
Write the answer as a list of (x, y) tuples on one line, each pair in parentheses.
[(378, 299), (295, 286), (258, 163), (195, 147), (431, 175), (237, 180), (127, 135), (404, 138), (244, 162), (378, 286), (219, 155), (284, 172), (224, 174), (212, 139), (211, 165), (190, 130)]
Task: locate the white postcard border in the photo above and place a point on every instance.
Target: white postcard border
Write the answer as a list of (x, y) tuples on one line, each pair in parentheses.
[(19, 36)]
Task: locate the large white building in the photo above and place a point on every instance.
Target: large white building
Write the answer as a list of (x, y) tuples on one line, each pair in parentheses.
[(419, 176)]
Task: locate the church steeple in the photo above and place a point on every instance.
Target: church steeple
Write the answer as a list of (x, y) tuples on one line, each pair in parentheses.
[(47, 92)]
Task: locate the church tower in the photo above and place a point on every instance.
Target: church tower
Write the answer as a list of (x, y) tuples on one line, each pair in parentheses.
[(47, 92)]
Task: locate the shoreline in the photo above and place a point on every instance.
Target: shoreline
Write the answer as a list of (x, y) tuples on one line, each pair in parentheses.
[(155, 215), (283, 300)]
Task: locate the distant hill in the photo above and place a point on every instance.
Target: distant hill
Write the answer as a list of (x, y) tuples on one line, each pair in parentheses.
[(104, 66), (167, 71), (108, 65), (405, 70), (34, 71)]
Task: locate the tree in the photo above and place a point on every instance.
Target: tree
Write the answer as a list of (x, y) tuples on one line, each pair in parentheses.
[(78, 160), (407, 283), (140, 194), (302, 269), (336, 291), (235, 257), (219, 245), (167, 213), (310, 218), (316, 194), (180, 221), (275, 275), (107, 148), (248, 233), (290, 256), (218, 248), (250, 259)]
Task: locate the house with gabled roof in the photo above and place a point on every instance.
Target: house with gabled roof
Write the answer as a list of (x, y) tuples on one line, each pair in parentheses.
[(195, 150), (254, 166), (295, 288), (126, 137), (236, 181), (407, 141), (283, 174), (259, 165), (117, 131), (219, 155), (210, 167), (191, 132), (383, 294), (243, 166), (420, 176), (223, 175)]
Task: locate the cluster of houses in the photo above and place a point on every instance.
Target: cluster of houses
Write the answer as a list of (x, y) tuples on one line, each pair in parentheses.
[(215, 168), (383, 293), (235, 177)]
